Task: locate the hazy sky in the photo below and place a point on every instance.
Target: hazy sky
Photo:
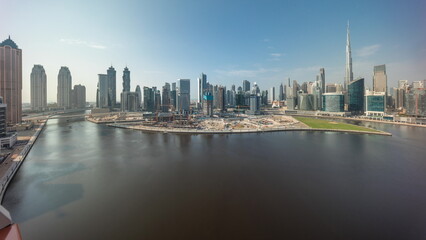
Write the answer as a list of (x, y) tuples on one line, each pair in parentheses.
[(261, 41)]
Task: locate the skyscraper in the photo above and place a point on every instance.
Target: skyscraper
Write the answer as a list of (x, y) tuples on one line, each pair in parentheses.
[(165, 100), (272, 95), (79, 96), (322, 79), (64, 88), (183, 95), (139, 100), (102, 93), (202, 87), (246, 86), (112, 87), (173, 96), (126, 80), (348, 74), (221, 99), (380, 79), (38, 88), (11, 80), (356, 96), (148, 99)]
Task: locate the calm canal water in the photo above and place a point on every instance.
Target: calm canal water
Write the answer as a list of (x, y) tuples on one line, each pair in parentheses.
[(88, 181)]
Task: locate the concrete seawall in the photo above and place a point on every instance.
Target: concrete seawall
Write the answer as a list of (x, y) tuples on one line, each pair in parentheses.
[(196, 131), (17, 162)]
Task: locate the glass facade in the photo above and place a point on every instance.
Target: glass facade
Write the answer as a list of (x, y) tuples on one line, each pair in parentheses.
[(356, 96), (306, 102), (375, 103), (333, 102)]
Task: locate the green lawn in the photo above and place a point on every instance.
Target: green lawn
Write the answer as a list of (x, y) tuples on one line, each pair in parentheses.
[(326, 124)]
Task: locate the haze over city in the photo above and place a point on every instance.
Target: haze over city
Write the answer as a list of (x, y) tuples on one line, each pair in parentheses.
[(263, 42)]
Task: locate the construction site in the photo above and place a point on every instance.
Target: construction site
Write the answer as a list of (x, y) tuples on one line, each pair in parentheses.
[(175, 122)]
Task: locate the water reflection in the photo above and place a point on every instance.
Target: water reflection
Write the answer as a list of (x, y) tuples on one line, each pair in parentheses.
[(270, 185)]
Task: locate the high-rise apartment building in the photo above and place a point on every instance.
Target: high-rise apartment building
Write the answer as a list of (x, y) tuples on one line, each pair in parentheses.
[(64, 88), (11, 80), (79, 96), (38, 88), (380, 79)]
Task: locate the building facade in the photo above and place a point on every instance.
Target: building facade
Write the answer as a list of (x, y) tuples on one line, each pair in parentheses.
[(375, 103), (183, 95), (356, 90), (64, 88), (102, 93), (322, 80), (38, 88), (333, 102), (111, 75), (79, 96), (126, 80), (246, 86), (148, 99), (348, 70), (380, 79), (11, 80), (208, 104), (202, 87), (306, 102), (416, 102), (3, 113), (254, 104)]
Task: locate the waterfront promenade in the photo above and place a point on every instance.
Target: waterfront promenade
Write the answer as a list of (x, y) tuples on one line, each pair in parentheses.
[(258, 130), (11, 164)]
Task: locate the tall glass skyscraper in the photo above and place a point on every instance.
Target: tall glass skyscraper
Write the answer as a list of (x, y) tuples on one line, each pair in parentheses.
[(183, 95), (112, 87), (356, 96)]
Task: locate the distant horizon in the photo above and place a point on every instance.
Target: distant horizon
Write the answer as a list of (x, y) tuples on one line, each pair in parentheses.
[(264, 42)]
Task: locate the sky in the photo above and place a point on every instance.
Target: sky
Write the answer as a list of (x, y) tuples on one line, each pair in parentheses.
[(230, 41)]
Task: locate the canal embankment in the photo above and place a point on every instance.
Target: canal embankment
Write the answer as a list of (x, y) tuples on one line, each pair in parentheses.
[(11, 167), (240, 131)]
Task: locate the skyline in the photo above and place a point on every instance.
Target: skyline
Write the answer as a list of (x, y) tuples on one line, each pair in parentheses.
[(264, 42)]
